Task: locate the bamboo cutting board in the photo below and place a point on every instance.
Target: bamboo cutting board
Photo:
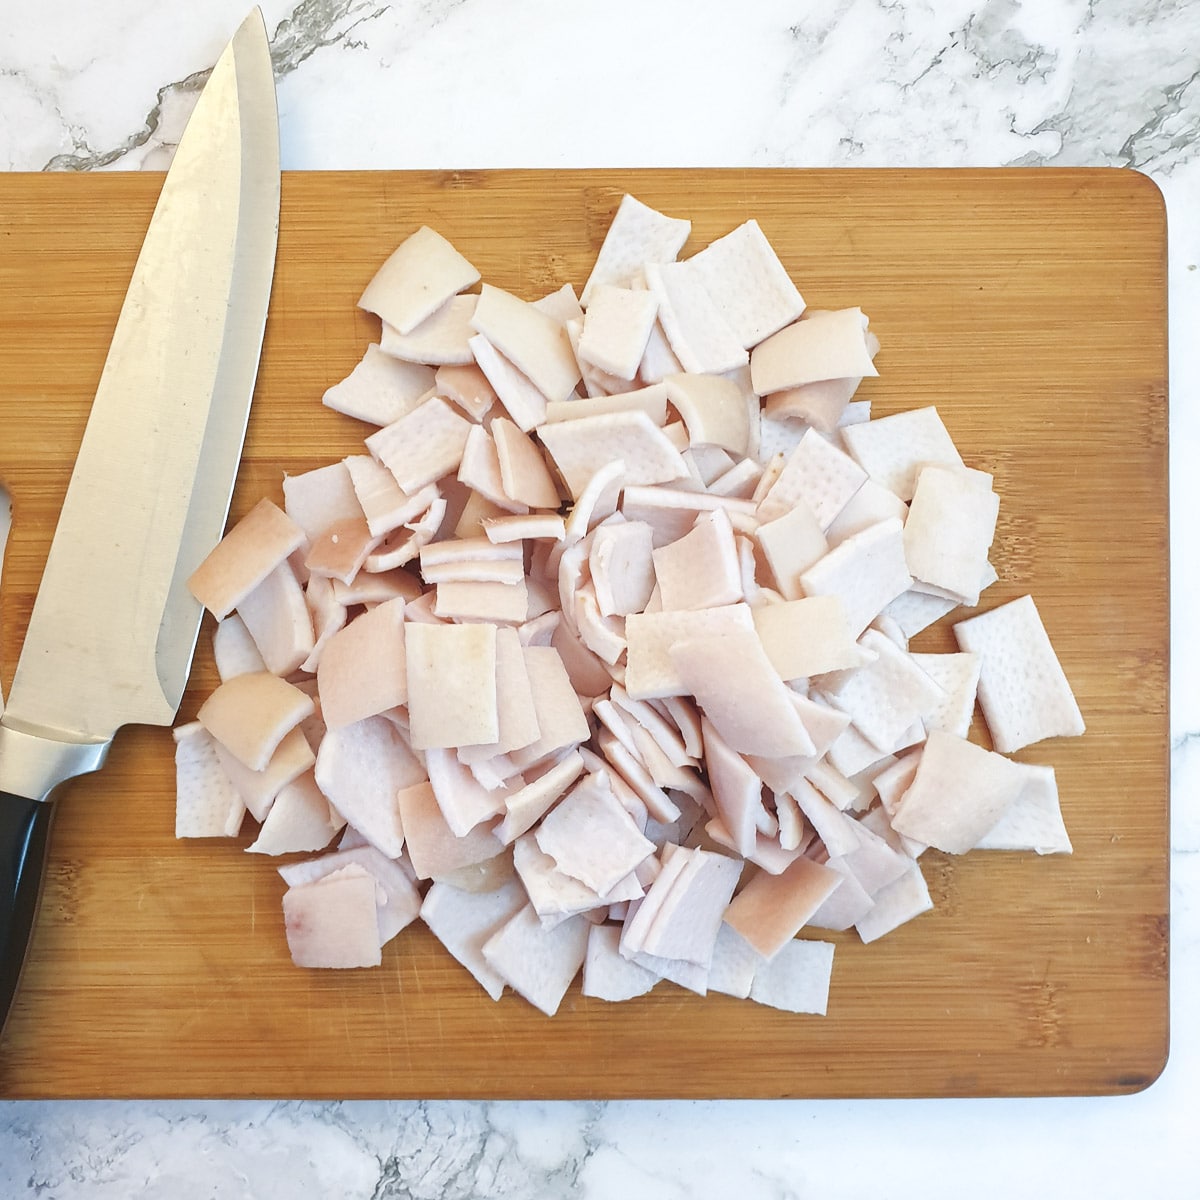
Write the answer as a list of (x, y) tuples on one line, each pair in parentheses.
[(1029, 306)]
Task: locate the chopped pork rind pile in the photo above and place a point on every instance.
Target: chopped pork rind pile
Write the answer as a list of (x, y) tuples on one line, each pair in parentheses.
[(595, 658)]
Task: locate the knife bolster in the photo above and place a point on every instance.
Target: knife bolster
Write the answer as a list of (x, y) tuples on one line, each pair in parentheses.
[(33, 765)]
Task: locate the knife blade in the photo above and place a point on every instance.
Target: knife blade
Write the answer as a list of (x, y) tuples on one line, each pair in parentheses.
[(113, 629)]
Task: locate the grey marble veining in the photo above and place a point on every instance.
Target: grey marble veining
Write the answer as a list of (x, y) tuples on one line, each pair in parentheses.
[(463, 83)]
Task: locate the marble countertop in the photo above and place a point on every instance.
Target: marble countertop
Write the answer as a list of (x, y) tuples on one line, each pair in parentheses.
[(107, 85)]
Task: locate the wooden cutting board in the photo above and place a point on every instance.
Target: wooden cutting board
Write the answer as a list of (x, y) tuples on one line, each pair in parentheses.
[(1029, 306)]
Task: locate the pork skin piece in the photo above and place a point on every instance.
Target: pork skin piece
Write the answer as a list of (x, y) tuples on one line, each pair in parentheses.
[(846, 905), (206, 802), (433, 847), (886, 696), (663, 730), (740, 692), (959, 793), (485, 876), (595, 382), (582, 446), (554, 894), (688, 919), (659, 360), (616, 328), (816, 472), (562, 304), (949, 531), (423, 445), (651, 400), (468, 387), (535, 343), (742, 272), (361, 768), (519, 527), (362, 670), (779, 435), (299, 819), (244, 557), (439, 340), (1023, 689), (380, 499), (649, 672), (839, 833), (671, 511), (515, 706), (474, 570), (696, 328), (629, 769), (771, 909), (332, 922), (636, 235), (871, 504), (402, 545), (528, 804), (735, 787), (481, 601), (277, 617), (398, 903), (479, 470), (640, 916), (464, 921), (340, 551), (591, 837), (540, 964), (316, 499), (251, 714), (908, 897), (824, 345), (820, 404), (768, 854), (417, 278), (958, 677), (328, 614), (894, 449), (1034, 820), (825, 723), (734, 962), (609, 976), (868, 571), (701, 569), (691, 976), (603, 636), (234, 651), (597, 501), (797, 979), (464, 801), (561, 719), (587, 674), (521, 398), (381, 388), (524, 476), (451, 684), (875, 862), (791, 544), (258, 789)]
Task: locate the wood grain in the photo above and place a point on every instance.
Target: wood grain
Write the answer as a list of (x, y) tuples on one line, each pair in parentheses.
[(1029, 306)]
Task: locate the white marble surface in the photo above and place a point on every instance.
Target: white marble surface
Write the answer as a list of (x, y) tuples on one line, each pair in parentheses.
[(94, 84)]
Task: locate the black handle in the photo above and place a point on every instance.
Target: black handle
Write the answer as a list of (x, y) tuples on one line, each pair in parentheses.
[(24, 832)]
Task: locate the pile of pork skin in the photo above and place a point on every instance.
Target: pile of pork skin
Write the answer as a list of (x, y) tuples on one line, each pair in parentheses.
[(595, 658)]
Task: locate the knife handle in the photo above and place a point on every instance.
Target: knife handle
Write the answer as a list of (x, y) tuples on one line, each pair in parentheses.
[(24, 833)]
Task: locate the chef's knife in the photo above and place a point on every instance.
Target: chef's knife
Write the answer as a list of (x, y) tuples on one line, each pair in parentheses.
[(111, 635)]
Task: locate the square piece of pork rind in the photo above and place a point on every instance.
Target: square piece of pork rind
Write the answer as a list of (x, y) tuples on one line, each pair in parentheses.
[(1023, 690)]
